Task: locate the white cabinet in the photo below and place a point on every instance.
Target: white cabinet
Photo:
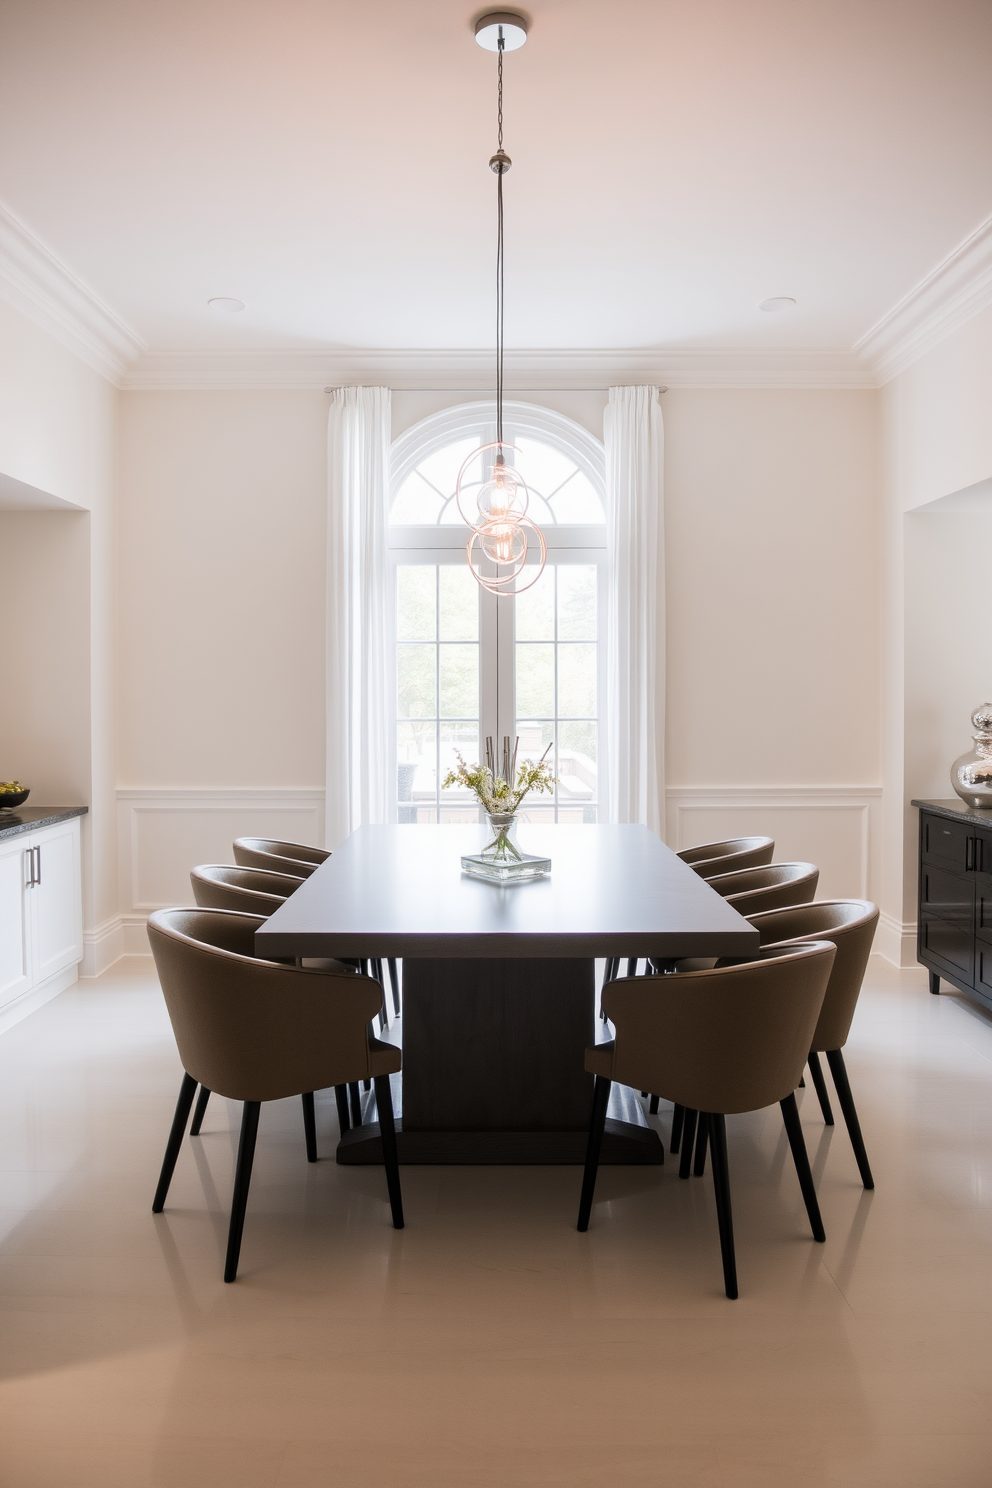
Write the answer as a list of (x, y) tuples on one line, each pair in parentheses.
[(41, 920)]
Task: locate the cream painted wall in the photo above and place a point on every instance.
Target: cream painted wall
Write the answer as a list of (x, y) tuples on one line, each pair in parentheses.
[(58, 433), (937, 420), (772, 535), (44, 617), (772, 515), (221, 583)]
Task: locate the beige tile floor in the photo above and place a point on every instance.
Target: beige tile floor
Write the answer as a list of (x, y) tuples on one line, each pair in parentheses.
[(489, 1343)]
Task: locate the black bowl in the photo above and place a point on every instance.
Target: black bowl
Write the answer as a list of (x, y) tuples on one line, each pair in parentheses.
[(13, 798)]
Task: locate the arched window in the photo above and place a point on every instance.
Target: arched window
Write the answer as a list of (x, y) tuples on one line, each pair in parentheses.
[(468, 664)]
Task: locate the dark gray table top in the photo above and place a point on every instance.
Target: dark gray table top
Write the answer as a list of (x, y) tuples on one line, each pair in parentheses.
[(17, 819), (400, 891)]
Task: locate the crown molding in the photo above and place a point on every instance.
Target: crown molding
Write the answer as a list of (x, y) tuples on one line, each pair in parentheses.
[(473, 371), (951, 294), (37, 284)]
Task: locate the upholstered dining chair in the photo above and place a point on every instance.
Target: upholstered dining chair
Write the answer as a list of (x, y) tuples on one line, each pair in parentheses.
[(850, 925), (729, 856), (258, 891), (269, 852), (716, 1042), (253, 890), (709, 859), (771, 887), (281, 857), (257, 1031)]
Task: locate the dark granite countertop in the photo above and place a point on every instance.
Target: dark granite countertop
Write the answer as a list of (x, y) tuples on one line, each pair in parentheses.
[(31, 818), (958, 810)]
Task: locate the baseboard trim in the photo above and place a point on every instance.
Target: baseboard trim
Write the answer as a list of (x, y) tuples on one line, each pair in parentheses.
[(896, 941), (102, 947), (29, 1002)]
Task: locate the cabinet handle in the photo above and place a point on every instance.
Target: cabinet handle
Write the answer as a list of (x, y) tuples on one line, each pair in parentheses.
[(38, 861), (969, 856), (28, 867)]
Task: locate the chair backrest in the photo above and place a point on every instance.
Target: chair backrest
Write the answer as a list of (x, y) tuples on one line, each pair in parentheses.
[(729, 856), (771, 887), (850, 925), (251, 890), (732, 1039), (252, 1029), (280, 857)]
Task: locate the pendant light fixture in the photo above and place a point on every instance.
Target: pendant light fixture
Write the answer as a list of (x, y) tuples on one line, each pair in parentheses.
[(502, 532)]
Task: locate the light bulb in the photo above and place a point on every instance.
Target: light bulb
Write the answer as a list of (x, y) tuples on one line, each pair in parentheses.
[(501, 495), (503, 542)]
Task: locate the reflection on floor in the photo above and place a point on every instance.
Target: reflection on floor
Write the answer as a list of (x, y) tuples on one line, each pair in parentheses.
[(488, 1343)]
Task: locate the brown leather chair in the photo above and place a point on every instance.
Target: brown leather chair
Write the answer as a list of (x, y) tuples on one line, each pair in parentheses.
[(255, 1031), (279, 857), (729, 856), (251, 890), (772, 887), (257, 891), (850, 925), (716, 1042), (293, 857)]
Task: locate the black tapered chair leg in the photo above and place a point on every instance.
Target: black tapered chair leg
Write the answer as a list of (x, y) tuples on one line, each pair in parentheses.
[(688, 1138), (820, 1085), (200, 1111), (390, 1157), (678, 1122), (702, 1134), (394, 982), (632, 965), (717, 1126), (802, 1083), (356, 1103), (384, 1010), (186, 1092), (600, 1101), (794, 1127), (310, 1125), (842, 1084), (653, 1106), (341, 1096), (242, 1182)]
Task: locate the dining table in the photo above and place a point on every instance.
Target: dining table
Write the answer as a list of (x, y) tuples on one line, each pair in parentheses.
[(499, 981)]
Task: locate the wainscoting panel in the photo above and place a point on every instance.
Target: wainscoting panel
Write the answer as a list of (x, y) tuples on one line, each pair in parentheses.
[(165, 833), (831, 826)]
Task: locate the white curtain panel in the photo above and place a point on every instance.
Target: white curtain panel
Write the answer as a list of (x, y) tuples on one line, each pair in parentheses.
[(635, 446), (358, 436)]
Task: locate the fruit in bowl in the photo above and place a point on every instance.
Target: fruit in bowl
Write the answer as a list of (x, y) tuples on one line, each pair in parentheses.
[(12, 793)]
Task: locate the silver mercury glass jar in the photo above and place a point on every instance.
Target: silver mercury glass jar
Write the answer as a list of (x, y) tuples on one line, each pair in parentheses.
[(971, 775)]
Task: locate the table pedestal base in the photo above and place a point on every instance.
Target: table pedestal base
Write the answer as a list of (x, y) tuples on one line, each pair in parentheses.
[(622, 1143)]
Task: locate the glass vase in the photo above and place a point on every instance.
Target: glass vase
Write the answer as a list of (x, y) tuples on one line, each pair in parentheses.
[(502, 860)]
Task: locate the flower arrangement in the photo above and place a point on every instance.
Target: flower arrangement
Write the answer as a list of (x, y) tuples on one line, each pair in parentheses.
[(500, 794)]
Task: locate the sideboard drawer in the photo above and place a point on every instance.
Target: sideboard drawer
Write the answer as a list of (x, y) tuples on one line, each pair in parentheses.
[(983, 966), (947, 842), (951, 945), (947, 895)]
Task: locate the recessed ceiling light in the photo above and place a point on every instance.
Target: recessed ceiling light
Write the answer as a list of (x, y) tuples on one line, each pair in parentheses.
[(777, 302), (225, 306)]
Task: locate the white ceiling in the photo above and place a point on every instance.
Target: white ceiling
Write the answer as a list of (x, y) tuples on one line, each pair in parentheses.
[(326, 162)]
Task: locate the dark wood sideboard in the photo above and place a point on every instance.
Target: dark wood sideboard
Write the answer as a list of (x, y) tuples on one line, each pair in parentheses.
[(954, 938)]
